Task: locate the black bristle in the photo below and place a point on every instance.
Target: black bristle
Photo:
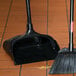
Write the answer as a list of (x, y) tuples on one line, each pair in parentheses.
[(65, 63)]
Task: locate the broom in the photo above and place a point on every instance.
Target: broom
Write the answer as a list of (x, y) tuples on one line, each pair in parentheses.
[(65, 63)]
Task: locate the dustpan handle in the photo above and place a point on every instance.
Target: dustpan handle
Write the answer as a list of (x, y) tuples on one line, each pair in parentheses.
[(28, 11), (71, 25), (29, 21)]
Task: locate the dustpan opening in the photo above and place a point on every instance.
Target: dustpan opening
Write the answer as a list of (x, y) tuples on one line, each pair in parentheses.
[(22, 49)]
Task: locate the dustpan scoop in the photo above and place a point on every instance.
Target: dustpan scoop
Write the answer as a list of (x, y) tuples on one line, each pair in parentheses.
[(32, 46)]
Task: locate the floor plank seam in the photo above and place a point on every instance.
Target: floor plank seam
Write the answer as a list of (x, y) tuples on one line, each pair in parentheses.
[(20, 70)]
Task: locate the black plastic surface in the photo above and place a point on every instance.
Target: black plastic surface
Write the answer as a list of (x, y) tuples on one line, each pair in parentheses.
[(32, 47)]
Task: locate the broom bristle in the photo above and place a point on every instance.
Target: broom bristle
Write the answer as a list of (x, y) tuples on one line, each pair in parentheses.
[(65, 63)]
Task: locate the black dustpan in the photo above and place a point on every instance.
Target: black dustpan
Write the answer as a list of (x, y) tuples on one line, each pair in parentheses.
[(65, 63), (32, 46)]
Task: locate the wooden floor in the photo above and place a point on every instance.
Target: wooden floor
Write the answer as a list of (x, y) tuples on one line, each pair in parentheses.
[(13, 22)]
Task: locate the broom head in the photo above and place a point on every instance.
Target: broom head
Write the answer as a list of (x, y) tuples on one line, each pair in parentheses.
[(65, 63)]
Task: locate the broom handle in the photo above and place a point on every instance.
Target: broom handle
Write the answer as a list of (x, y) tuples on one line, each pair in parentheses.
[(29, 21), (71, 25)]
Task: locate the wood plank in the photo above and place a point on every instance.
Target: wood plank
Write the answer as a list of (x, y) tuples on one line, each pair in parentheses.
[(14, 72), (58, 26), (34, 69), (4, 7)]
